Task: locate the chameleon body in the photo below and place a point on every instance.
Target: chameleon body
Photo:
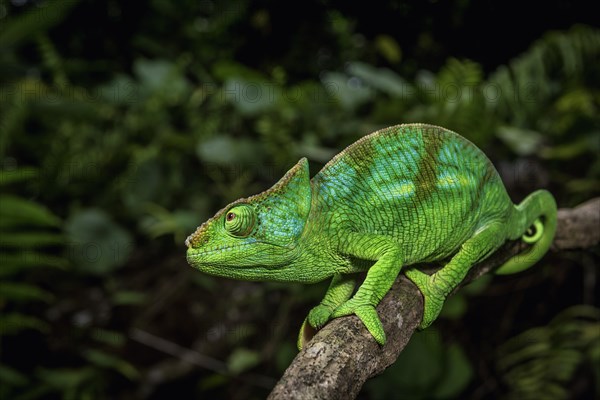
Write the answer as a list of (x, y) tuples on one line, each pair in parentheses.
[(403, 195)]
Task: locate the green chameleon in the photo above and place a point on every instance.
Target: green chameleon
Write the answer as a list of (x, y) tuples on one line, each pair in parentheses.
[(403, 195)]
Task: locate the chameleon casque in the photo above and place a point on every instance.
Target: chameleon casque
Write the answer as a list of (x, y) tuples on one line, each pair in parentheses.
[(403, 195)]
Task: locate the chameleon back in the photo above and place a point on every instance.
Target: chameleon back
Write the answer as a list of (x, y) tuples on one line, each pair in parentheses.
[(426, 186)]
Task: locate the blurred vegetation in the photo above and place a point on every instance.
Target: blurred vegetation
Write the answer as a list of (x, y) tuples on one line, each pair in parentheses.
[(122, 129)]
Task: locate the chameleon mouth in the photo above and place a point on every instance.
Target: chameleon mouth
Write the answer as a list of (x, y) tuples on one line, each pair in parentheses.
[(193, 253)]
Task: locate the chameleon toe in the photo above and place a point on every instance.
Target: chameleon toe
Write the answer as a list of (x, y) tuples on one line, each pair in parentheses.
[(318, 316), (432, 303), (306, 333), (368, 315)]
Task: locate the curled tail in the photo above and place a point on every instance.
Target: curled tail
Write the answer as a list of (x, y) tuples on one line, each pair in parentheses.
[(535, 221)]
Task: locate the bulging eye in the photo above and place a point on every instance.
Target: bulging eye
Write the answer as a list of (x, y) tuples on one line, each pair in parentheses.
[(239, 221)]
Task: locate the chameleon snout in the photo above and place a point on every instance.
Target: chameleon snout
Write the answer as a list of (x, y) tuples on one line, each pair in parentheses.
[(198, 238)]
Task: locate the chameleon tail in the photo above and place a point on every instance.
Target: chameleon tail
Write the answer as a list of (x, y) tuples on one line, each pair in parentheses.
[(535, 222)]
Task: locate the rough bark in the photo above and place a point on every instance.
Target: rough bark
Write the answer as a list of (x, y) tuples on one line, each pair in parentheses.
[(342, 356)]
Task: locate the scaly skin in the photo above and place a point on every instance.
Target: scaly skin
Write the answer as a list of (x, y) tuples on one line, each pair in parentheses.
[(404, 195)]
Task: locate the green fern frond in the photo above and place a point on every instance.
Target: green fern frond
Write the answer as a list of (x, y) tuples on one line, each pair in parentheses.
[(22, 292), (459, 73), (541, 362), (455, 99), (553, 63), (18, 212)]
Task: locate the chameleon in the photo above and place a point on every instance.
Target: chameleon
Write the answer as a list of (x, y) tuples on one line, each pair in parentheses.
[(404, 195)]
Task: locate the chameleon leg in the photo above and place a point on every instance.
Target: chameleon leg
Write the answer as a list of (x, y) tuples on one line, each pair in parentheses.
[(339, 291), (436, 287), (378, 282)]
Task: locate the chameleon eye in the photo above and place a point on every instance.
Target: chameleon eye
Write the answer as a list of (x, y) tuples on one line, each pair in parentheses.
[(239, 221)]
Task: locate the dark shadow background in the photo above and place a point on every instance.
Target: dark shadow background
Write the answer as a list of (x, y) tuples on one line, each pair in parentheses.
[(124, 125)]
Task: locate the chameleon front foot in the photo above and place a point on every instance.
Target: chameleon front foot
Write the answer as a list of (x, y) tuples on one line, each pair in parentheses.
[(305, 335), (317, 318), (432, 301), (367, 314)]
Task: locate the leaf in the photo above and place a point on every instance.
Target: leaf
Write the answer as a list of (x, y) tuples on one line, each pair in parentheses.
[(30, 240), (455, 307), (478, 286), (15, 211), (523, 142), (121, 90), (11, 376), (17, 175), (13, 263), (145, 184), (227, 69), (225, 150), (241, 333), (459, 373), (389, 48), (350, 92), (459, 74), (242, 360), (22, 292), (129, 297), (160, 222), (588, 143), (425, 369), (213, 381), (13, 323), (97, 244), (111, 338), (250, 97), (544, 361), (160, 76), (66, 378), (109, 361), (39, 18), (316, 153), (416, 371), (382, 79), (544, 70), (284, 355), (52, 60)]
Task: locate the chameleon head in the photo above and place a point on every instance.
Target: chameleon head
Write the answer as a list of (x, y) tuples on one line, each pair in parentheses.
[(256, 238)]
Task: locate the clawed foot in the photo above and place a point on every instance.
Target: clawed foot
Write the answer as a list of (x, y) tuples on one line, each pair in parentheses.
[(317, 318), (366, 313), (305, 335), (433, 301), (320, 315)]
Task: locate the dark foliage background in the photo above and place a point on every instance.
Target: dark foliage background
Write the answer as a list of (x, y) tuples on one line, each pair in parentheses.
[(124, 125)]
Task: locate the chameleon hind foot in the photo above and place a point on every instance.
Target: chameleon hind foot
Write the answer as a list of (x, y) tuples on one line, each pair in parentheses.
[(432, 300), (367, 314)]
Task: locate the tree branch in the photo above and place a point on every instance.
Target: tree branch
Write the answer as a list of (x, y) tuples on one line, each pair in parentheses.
[(342, 356)]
